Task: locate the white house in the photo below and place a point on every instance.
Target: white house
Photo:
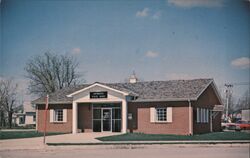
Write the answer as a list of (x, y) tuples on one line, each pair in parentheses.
[(25, 117)]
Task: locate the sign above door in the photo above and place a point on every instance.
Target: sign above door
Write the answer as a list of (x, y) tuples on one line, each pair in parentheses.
[(96, 95)]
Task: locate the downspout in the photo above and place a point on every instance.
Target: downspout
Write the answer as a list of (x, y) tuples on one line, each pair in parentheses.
[(36, 107), (211, 121), (190, 117)]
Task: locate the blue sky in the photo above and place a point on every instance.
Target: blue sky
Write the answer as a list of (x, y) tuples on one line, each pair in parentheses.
[(159, 40)]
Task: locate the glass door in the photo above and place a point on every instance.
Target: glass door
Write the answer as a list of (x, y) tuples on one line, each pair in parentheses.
[(106, 119)]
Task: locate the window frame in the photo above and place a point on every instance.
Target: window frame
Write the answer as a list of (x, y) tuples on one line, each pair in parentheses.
[(157, 120), (203, 115), (34, 118), (55, 119)]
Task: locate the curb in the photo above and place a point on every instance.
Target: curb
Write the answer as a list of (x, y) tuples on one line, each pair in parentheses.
[(151, 143)]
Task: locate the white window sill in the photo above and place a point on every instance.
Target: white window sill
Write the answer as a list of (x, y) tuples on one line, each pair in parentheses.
[(202, 122), (161, 122), (58, 122)]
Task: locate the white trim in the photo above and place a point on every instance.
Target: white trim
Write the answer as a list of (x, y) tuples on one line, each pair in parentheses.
[(97, 84), (217, 93), (204, 89)]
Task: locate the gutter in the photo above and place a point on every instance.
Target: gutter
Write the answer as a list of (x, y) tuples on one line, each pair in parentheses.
[(162, 100), (51, 103)]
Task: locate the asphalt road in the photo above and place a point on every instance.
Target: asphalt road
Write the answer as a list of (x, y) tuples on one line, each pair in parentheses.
[(130, 152)]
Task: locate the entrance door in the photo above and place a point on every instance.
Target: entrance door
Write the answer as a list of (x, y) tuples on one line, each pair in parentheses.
[(106, 119)]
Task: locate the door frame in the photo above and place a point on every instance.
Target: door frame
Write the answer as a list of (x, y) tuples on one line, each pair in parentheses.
[(102, 119)]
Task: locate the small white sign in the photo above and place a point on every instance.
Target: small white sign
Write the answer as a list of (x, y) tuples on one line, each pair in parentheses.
[(130, 116)]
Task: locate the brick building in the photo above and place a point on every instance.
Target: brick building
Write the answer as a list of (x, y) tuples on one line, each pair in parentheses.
[(156, 107)]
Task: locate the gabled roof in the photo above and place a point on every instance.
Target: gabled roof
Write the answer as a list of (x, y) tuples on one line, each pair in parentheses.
[(119, 90), (173, 90)]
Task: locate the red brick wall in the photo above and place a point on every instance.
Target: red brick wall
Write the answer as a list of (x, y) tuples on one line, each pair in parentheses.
[(65, 127), (141, 118), (85, 117), (207, 100)]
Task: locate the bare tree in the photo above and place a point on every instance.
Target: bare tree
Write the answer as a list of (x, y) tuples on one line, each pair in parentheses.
[(2, 94), (50, 72), (8, 94), (244, 101)]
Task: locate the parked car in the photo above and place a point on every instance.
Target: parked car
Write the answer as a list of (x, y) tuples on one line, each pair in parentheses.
[(242, 125), (229, 126)]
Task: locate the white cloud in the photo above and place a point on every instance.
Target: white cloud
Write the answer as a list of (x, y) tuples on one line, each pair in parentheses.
[(196, 3), (142, 13), (76, 51), (157, 15), (242, 63), (152, 54)]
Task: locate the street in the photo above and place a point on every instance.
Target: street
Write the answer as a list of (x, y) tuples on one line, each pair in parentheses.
[(158, 151)]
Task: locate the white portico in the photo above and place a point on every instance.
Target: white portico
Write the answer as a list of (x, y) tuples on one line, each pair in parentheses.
[(99, 93)]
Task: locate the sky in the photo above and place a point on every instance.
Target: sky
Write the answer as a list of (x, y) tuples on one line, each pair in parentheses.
[(158, 39)]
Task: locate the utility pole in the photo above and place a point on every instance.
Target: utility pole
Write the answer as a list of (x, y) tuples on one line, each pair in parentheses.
[(228, 95)]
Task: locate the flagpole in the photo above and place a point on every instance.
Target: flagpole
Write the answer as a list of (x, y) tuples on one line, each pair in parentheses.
[(45, 118)]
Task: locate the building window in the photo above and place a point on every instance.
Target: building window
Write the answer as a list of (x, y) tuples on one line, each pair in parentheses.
[(58, 115), (202, 115), (198, 115), (21, 120), (34, 118), (161, 114)]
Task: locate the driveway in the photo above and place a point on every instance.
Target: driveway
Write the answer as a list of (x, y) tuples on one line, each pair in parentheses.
[(37, 143)]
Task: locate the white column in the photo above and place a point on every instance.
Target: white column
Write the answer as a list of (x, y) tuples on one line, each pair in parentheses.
[(124, 116), (74, 118), (190, 118)]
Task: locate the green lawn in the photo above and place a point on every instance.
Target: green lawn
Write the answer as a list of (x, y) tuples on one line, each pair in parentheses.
[(167, 137), (22, 134)]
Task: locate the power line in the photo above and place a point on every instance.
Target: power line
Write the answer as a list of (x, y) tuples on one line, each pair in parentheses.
[(237, 84)]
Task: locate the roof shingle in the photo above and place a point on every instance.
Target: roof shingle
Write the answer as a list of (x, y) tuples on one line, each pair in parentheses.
[(150, 90)]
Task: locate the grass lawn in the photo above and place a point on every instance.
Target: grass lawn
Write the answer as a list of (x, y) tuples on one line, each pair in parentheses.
[(22, 134), (167, 137)]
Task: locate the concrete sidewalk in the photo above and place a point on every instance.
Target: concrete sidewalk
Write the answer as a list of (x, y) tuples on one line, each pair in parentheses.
[(79, 137), (37, 142)]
